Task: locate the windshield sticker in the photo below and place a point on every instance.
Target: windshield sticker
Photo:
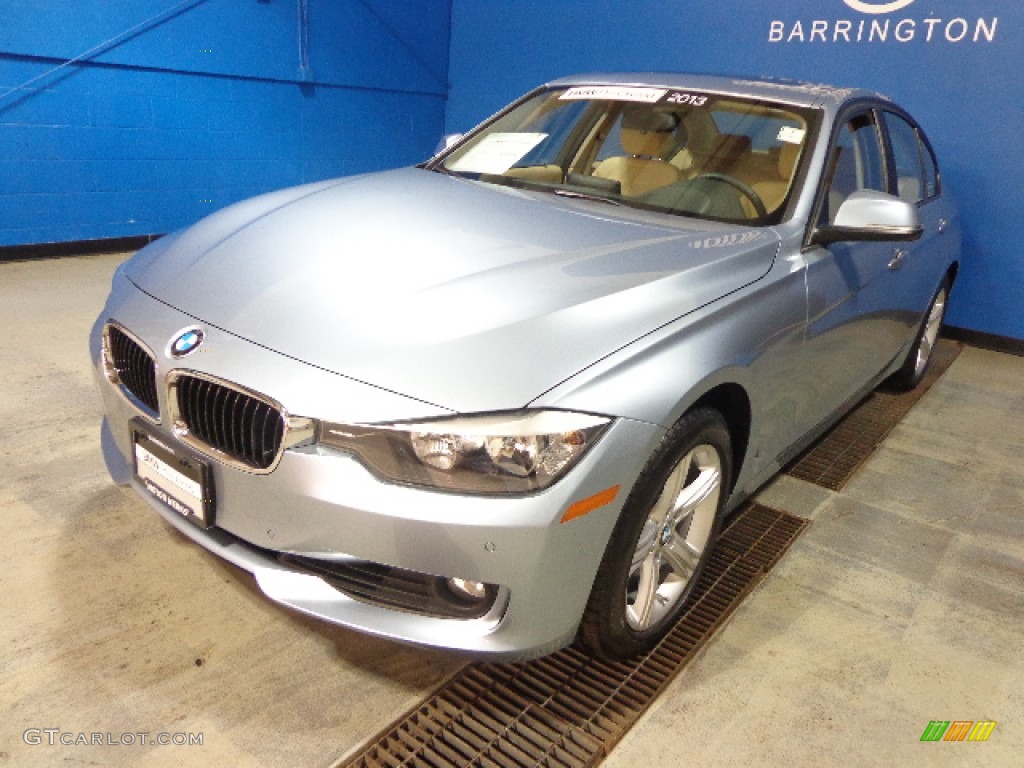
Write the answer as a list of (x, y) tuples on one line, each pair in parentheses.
[(791, 135), (497, 153), (614, 93)]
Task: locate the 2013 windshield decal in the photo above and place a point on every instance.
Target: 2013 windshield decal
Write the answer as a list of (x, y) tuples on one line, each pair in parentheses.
[(892, 7)]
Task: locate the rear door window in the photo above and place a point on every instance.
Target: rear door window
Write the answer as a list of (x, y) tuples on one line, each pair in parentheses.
[(913, 159)]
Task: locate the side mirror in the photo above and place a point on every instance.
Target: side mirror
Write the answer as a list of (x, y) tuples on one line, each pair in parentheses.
[(875, 216), (448, 140)]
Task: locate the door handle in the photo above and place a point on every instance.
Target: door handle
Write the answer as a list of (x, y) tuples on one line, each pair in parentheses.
[(898, 255)]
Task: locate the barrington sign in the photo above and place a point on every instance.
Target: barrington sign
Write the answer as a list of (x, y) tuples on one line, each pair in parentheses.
[(885, 22)]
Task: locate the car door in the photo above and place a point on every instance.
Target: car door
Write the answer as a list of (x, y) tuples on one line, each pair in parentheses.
[(854, 327), (914, 177)]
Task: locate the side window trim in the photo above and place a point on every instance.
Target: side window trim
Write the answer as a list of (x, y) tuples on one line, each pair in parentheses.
[(888, 174), (928, 152)]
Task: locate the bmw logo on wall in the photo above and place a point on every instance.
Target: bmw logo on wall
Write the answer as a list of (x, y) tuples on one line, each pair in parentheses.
[(186, 342)]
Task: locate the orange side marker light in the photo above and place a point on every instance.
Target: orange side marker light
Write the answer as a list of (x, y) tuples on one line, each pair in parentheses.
[(589, 504)]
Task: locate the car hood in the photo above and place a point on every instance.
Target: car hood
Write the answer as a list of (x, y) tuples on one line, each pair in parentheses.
[(465, 295)]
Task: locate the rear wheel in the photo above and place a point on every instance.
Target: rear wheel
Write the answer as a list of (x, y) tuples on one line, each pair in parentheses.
[(662, 540), (916, 363)]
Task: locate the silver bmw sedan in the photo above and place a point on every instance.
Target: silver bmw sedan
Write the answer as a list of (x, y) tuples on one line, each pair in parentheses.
[(505, 398)]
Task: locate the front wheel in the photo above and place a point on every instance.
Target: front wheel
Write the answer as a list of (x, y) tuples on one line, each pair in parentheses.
[(916, 363), (662, 540)]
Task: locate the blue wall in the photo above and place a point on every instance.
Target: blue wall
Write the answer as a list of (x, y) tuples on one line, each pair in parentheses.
[(207, 105), (203, 106), (955, 65)]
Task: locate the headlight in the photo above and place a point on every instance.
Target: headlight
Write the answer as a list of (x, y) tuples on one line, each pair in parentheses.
[(498, 453)]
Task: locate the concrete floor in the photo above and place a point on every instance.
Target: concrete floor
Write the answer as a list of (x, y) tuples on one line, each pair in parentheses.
[(902, 603)]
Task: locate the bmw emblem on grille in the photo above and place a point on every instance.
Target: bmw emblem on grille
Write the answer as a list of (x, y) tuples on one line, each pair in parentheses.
[(186, 342)]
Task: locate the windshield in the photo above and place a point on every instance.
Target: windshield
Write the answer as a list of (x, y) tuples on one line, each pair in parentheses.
[(688, 153)]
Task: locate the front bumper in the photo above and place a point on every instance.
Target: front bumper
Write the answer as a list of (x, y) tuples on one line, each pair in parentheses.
[(323, 504)]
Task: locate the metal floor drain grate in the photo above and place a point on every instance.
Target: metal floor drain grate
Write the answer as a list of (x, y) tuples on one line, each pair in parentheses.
[(833, 460), (568, 709)]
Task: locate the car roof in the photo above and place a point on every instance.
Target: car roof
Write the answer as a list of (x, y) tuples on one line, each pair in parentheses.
[(789, 91)]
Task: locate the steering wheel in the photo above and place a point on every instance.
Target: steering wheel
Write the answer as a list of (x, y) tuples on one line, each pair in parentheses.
[(747, 191)]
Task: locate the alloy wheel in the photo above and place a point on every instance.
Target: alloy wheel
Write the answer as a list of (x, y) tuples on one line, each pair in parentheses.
[(677, 531)]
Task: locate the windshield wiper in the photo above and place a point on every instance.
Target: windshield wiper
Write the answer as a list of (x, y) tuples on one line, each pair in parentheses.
[(563, 192)]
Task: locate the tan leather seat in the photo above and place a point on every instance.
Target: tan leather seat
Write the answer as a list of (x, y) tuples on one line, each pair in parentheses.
[(647, 136), (773, 191), (731, 156)]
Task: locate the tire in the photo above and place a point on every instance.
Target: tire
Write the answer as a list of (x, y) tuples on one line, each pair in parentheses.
[(916, 363), (662, 540)]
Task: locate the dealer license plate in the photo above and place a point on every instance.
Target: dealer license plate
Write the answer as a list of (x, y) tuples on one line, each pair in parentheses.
[(178, 479)]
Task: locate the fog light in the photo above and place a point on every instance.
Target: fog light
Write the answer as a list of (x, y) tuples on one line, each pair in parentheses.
[(467, 590)]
